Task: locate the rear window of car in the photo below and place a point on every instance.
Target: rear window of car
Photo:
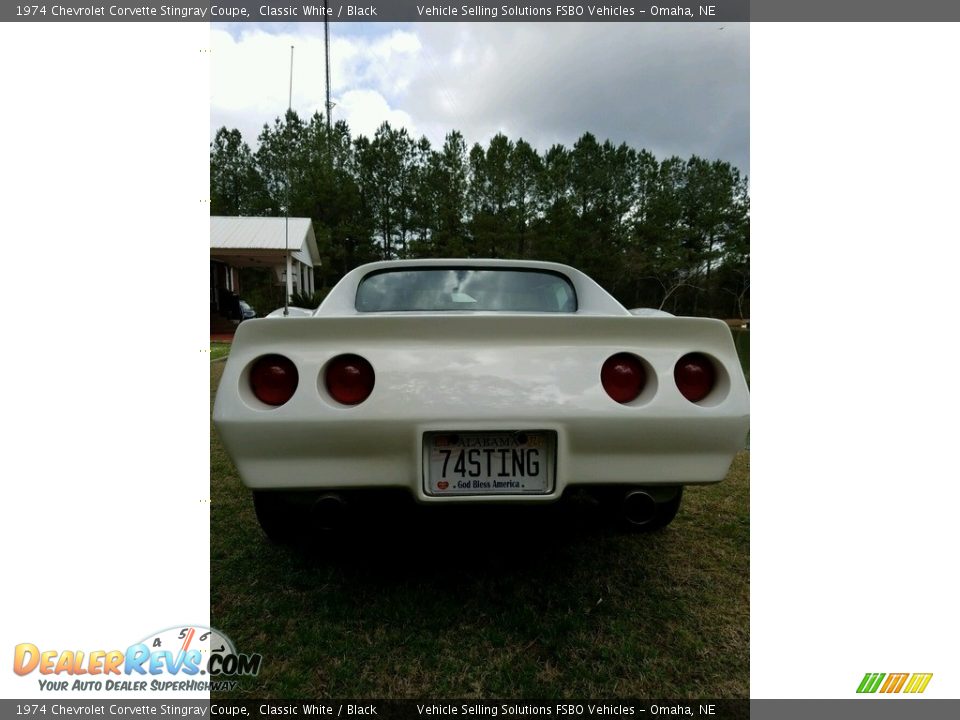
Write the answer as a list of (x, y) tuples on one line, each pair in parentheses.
[(464, 288)]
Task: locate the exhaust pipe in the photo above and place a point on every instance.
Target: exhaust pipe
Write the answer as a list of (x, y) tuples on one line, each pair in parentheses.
[(329, 512), (639, 507)]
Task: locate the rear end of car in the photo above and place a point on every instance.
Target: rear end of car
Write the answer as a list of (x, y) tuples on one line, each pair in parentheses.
[(460, 407)]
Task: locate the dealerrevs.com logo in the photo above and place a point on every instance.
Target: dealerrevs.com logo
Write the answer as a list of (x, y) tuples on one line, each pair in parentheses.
[(181, 658), (910, 683)]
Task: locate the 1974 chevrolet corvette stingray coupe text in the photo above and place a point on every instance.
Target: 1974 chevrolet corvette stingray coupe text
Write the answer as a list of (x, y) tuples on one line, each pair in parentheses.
[(478, 381)]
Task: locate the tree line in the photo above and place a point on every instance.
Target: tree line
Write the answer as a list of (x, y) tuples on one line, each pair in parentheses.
[(670, 233)]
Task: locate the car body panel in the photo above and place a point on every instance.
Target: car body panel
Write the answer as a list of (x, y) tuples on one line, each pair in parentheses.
[(469, 371), (291, 311)]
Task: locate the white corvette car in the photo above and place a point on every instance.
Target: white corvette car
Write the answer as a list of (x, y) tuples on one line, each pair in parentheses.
[(478, 381)]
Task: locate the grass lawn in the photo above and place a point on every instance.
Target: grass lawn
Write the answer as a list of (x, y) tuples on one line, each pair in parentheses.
[(546, 609), (219, 350)]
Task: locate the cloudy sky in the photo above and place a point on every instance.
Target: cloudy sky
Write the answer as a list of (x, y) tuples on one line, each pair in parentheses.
[(673, 88)]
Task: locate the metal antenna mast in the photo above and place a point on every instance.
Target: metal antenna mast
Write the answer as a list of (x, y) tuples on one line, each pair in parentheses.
[(286, 218), (326, 50)]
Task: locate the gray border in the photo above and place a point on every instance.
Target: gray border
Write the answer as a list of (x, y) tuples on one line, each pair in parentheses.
[(379, 11), (853, 10), (522, 11), (855, 709), (872, 708)]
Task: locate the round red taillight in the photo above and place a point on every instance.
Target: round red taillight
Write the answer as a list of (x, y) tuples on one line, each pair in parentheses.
[(623, 377), (349, 379), (273, 379), (695, 376)]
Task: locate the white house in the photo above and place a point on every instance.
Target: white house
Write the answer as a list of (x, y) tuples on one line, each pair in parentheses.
[(287, 245)]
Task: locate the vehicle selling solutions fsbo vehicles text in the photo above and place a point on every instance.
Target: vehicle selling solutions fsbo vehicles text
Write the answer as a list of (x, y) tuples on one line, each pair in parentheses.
[(493, 12)]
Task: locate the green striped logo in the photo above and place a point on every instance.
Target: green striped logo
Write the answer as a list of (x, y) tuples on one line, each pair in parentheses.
[(870, 683), (894, 682)]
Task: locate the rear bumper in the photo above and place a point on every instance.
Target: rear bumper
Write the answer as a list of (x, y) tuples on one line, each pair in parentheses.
[(300, 455)]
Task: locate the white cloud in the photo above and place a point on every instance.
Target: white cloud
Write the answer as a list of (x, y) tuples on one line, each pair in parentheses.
[(366, 110), (673, 88), (382, 63), (250, 77)]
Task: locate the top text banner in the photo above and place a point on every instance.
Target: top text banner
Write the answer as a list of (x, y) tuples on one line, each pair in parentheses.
[(377, 10), (479, 11)]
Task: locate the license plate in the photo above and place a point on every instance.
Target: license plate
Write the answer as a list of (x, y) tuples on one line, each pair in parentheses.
[(489, 463)]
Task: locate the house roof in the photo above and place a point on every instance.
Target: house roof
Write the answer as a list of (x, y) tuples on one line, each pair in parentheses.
[(264, 233)]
